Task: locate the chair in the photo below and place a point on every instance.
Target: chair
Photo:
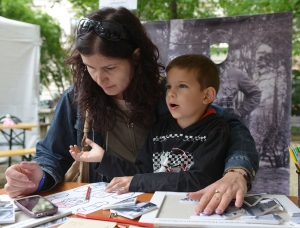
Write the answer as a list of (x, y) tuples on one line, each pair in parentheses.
[(15, 137), (14, 118)]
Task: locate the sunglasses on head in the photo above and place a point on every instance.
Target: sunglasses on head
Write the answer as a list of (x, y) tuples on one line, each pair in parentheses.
[(109, 30)]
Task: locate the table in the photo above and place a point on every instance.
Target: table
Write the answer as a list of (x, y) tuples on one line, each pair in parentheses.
[(24, 126), (105, 213), (16, 138), (102, 213), (47, 115)]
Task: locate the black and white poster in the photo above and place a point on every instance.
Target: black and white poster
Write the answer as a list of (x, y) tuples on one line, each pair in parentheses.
[(255, 79)]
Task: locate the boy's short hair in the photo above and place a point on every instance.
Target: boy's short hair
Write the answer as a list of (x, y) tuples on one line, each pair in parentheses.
[(206, 71)]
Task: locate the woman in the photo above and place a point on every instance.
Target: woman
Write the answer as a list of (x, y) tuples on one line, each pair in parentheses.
[(117, 83)]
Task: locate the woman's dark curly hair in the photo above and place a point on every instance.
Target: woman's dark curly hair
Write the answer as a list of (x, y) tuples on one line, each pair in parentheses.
[(144, 90)]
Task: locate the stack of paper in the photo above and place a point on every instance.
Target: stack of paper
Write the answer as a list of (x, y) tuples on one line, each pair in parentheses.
[(7, 212)]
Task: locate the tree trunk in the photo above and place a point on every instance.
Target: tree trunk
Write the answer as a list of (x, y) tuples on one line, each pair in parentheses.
[(174, 9)]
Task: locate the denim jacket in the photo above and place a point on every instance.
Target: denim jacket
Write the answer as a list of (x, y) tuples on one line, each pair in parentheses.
[(52, 153)]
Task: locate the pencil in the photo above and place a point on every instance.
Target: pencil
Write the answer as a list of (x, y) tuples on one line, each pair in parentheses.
[(88, 193), (295, 151), (294, 158), (292, 155), (135, 223)]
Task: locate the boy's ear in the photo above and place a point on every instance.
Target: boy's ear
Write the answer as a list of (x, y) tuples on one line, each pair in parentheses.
[(209, 95), (136, 55)]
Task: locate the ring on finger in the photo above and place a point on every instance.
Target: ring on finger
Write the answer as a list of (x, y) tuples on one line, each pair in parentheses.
[(230, 193), (217, 191)]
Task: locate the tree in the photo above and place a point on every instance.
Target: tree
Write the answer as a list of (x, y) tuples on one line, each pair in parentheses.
[(184, 9), (155, 9), (52, 66), (242, 7)]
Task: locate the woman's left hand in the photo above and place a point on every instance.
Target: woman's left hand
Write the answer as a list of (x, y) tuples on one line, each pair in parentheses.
[(217, 196), (119, 184)]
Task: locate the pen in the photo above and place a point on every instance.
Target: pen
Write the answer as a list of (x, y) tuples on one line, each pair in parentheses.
[(143, 224), (88, 192)]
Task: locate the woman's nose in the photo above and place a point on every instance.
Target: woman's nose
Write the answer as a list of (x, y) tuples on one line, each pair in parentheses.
[(100, 77)]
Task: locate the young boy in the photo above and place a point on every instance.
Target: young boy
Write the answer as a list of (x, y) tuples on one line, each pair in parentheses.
[(184, 152)]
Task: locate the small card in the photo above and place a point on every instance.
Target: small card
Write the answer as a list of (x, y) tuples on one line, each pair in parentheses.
[(126, 202), (272, 219), (295, 218), (82, 223), (134, 211), (7, 212), (252, 200), (231, 212), (261, 208), (188, 200), (53, 223), (5, 197)]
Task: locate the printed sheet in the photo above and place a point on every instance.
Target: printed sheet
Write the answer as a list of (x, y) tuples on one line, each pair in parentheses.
[(74, 199)]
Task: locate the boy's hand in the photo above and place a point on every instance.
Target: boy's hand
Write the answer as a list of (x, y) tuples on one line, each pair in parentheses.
[(94, 155), (119, 184)]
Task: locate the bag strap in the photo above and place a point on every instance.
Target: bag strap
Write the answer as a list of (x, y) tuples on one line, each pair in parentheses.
[(84, 146)]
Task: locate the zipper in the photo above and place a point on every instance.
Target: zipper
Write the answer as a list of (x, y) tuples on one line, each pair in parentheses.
[(129, 125), (131, 136)]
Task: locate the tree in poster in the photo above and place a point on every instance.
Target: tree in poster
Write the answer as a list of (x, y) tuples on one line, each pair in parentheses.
[(272, 70)]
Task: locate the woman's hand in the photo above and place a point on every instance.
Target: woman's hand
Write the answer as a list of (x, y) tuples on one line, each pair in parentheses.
[(94, 155), (218, 195), (23, 179), (119, 184)]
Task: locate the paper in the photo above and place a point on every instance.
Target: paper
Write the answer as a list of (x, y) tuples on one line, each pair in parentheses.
[(189, 200), (230, 212), (53, 223), (7, 212), (134, 211), (253, 199), (5, 197), (74, 199), (33, 222), (261, 208), (265, 219), (295, 218), (126, 202), (83, 223)]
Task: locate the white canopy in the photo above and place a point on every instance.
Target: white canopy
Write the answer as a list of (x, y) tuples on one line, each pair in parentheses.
[(19, 73)]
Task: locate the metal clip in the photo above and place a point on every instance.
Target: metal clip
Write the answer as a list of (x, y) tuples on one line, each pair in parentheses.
[(113, 214)]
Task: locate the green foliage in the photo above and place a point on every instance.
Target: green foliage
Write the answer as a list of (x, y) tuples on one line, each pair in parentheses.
[(83, 7), (52, 66), (183, 9), (155, 9), (242, 7), (173, 9)]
